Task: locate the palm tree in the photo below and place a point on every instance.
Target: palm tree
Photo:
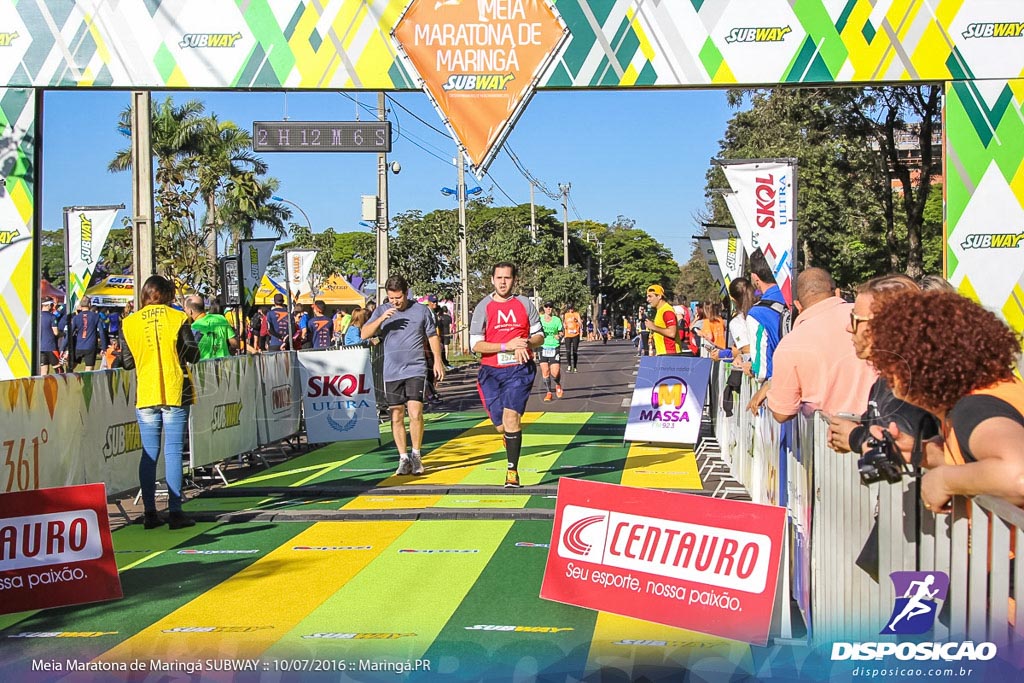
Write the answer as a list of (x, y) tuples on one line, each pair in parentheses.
[(248, 202), (224, 152)]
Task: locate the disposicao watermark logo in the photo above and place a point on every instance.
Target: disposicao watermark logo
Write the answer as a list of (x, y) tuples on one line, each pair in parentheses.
[(918, 595)]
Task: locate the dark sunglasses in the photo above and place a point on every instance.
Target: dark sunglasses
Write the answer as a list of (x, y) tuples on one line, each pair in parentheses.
[(855, 320)]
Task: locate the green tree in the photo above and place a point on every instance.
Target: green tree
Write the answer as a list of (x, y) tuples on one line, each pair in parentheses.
[(562, 286), (631, 261), (52, 265)]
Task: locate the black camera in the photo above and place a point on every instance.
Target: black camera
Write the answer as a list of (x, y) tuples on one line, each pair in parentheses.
[(883, 461)]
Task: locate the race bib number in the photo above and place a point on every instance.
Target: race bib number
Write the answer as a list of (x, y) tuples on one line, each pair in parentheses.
[(507, 358), (548, 353)]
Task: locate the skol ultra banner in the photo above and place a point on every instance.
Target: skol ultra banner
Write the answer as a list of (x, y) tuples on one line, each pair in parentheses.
[(86, 228), (765, 199), (668, 399), (479, 63), (338, 395), (221, 421), (55, 549), (707, 251), (298, 263), (728, 251), (694, 562), (255, 256)]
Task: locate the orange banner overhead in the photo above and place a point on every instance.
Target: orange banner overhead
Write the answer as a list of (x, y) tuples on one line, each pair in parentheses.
[(480, 61)]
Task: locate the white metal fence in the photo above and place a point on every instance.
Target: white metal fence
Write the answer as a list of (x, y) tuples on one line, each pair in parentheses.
[(831, 514)]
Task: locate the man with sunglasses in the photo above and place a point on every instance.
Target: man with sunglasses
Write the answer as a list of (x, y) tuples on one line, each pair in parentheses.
[(816, 363)]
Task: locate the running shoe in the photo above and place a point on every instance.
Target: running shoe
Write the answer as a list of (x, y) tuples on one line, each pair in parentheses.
[(403, 466), (547, 396), (416, 462), (512, 479), (558, 390)]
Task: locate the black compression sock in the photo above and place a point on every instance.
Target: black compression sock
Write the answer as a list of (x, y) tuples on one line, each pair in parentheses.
[(513, 445)]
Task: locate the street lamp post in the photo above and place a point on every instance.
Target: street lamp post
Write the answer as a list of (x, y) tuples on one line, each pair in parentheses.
[(460, 192), (309, 224)]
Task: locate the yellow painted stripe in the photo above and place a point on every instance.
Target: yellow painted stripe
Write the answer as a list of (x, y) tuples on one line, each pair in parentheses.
[(266, 599), (661, 467), (614, 646), (391, 502), (455, 460)]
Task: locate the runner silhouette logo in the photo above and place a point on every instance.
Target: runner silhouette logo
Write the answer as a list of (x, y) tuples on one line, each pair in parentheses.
[(918, 595), (582, 529)]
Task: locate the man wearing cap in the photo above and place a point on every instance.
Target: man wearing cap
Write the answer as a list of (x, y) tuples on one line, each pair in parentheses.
[(49, 356), (88, 335), (661, 322)]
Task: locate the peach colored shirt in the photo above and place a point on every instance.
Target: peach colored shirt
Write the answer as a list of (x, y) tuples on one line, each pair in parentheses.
[(816, 364)]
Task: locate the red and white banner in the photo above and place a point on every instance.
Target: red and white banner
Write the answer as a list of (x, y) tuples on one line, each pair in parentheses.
[(694, 562), (765, 203), (338, 399), (55, 549)]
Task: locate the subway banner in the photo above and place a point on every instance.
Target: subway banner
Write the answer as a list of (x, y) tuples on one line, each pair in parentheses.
[(110, 433), (255, 257), (338, 398), (56, 549), (86, 229), (222, 418), (668, 399), (694, 562), (984, 195), (18, 280), (707, 251), (729, 253), (767, 205)]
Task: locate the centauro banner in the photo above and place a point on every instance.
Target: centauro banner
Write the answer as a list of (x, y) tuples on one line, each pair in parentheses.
[(338, 397), (479, 63), (255, 256), (87, 228), (693, 562), (767, 206), (56, 549)]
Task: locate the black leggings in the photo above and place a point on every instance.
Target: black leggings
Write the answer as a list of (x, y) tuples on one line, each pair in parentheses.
[(572, 350)]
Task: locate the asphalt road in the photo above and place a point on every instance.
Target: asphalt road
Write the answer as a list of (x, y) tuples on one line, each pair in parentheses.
[(606, 376)]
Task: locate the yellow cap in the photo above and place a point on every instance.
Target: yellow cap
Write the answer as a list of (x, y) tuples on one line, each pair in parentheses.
[(657, 289)]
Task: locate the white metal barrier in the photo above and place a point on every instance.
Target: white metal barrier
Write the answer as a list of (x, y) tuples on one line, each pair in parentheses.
[(831, 514)]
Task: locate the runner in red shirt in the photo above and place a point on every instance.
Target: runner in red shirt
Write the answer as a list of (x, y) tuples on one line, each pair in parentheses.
[(504, 329)]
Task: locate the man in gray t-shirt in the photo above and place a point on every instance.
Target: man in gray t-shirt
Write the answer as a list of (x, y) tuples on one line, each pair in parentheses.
[(406, 328)]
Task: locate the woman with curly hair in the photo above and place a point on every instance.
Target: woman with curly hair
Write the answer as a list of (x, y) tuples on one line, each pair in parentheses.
[(950, 356)]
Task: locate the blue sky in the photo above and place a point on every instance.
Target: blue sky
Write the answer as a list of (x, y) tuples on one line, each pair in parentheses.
[(641, 154)]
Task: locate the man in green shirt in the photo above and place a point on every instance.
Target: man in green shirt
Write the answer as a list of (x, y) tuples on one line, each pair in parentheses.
[(212, 331)]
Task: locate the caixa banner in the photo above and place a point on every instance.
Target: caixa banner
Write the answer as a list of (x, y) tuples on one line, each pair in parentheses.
[(55, 549), (668, 399), (692, 562)]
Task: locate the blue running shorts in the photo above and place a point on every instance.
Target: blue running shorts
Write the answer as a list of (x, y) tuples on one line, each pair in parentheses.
[(507, 387)]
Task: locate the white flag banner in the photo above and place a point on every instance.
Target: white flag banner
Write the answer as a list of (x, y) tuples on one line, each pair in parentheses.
[(298, 264), (87, 228), (708, 252), (747, 237), (726, 242), (338, 399), (255, 256), (764, 197)]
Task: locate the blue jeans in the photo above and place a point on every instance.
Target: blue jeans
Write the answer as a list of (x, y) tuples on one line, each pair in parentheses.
[(169, 422)]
